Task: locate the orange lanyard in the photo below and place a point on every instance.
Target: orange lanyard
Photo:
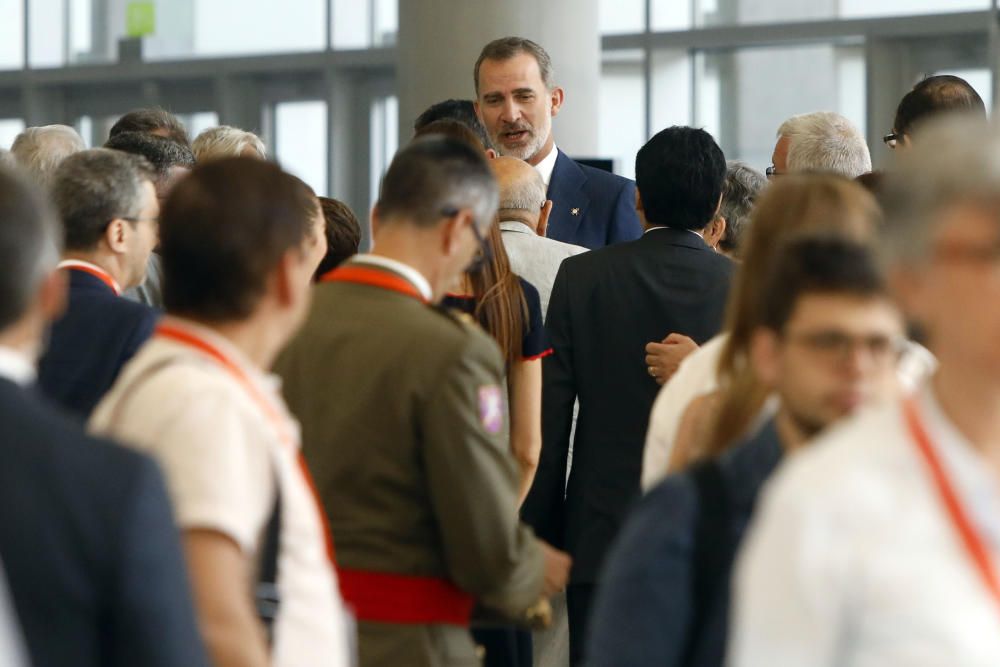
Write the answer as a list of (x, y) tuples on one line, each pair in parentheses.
[(98, 273), (280, 424), (970, 537)]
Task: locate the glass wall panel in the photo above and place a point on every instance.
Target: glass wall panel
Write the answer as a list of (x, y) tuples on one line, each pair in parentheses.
[(621, 16), (300, 141), (362, 24), (47, 32), (11, 34), (384, 139), (622, 114), (9, 129), (228, 27)]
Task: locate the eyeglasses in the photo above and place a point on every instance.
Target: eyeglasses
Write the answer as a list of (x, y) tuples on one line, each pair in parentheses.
[(485, 252), (837, 347), (772, 171), (892, 140)]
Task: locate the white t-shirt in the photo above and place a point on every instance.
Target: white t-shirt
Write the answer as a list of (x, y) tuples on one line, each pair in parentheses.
[(221, 455), (853, 561)]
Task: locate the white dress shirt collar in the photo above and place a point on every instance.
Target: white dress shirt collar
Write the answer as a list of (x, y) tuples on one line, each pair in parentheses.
[(547, 165), (405, 270), (651, 229), (16, 367)]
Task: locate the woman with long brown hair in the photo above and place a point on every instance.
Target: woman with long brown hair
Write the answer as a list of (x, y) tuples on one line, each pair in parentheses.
[(509, 309)]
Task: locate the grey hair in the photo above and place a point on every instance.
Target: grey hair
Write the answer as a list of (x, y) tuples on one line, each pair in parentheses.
[(743, 184), (40, 150), (956, 162), (506, 48), (523, 194), (6, 159), (825, 141), (226, 141), (94, 187)]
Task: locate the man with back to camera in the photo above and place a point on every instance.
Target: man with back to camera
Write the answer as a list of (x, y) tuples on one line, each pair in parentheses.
[(517, 100), (606, 305), (931, 97)]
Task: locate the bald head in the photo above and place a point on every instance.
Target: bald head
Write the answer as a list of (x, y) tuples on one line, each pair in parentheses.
[(522, 192)]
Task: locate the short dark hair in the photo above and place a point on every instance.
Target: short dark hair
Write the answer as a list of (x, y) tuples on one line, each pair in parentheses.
[(453, 129), (343, 234), (30, 241), (151, 119), (460, 111), (223, 229), (817, 263), (680, 173), (435, 173), (93, 187), (161, 152), (743, 184), (506, 48), (935, 95)]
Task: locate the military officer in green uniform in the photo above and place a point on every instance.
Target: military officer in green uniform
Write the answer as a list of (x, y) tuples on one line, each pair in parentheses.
[(402, 414)]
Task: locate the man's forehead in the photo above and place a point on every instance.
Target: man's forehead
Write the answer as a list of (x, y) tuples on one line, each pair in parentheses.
[(843, 311), (521, 71)]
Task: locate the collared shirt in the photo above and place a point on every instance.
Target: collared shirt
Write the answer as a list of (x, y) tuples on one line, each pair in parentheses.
[(16, 367), (221, 457), (405, 270), (696, 233), (90, 268), (852, 559), (547, 165)]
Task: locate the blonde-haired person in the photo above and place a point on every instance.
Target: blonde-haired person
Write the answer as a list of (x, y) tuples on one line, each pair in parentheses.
[(714, 398), (226, 141)]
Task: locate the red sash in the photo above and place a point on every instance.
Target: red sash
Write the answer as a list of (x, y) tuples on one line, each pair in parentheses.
[(971, 540), (363, 275)]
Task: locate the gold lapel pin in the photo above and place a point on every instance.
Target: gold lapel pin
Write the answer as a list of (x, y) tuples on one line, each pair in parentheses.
[(574, 211)]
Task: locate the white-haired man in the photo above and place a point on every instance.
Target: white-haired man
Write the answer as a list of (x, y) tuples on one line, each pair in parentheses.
[(39, 150), (879, 545), (820, 141)]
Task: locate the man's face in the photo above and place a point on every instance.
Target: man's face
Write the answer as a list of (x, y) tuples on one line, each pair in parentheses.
[(143, 237), (952, 296), (516, 107), (779, 158), (837, 353)]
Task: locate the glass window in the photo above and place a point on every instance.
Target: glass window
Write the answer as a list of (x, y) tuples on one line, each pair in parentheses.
[(47, 34), (362, 24), (384, 139), (979, 78), (622, 119), (228, 27), (300, 141), (11, 34), (9, 129), (673, 90), (621, 16), (196, 123)]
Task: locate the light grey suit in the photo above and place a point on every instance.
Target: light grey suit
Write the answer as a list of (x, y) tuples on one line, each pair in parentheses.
[(535, 258)]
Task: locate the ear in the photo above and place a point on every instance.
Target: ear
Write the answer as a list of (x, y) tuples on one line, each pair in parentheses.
[(558, 96), (52, 295), (765, 356), (116, 235), (543, 218), (714, 232), (283, 278), (375, 218), (451, 232), (491, 154)]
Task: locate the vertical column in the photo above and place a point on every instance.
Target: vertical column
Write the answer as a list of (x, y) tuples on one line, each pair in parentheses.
[(439, 41)]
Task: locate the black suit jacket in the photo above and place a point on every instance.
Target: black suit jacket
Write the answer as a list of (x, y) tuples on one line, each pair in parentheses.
[(89, 545), (591, 207), (606, 305), (90, 343)]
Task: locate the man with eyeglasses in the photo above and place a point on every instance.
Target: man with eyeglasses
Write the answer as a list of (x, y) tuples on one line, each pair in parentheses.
[(881, 544), (931, 97), (107, 203), (402, 419), (828, 346), (822, 141)]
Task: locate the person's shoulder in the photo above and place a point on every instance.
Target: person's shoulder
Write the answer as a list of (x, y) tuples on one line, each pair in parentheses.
[(662, 520), (604, 179), (459, 332)]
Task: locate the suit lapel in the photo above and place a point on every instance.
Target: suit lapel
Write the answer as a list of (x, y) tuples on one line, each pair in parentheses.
[(569, 201)]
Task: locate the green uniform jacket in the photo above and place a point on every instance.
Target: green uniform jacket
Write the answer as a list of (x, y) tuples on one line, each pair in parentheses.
[(413, 473)]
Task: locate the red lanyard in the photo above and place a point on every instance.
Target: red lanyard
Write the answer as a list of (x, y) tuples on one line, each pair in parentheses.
[(280, 424), (363, 275), (971, 539), (97, 272)]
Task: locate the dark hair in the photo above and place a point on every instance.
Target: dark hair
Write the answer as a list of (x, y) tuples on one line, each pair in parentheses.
[(29, 243), (680, 174), (506, 48), (743, 184), (828, 264), (453, 129), (501, 308), (223, 230), (935, 95), (93, 187), (343, 234), (433, 174), (161, 152), (460, 111), (150, 120)]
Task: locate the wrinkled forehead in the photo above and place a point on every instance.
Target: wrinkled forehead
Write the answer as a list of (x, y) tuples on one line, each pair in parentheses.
[(507, 76)]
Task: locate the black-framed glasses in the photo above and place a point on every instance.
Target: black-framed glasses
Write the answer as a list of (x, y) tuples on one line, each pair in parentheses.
[(485, 252), (892, 139), (772, 171)]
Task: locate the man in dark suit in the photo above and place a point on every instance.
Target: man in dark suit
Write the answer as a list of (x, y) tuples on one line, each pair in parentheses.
[(87, 539), (605, 306), (107, 203), (516, 101)]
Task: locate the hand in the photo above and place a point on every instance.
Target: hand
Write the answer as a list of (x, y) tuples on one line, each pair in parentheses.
[(557, 566), (663, 359)]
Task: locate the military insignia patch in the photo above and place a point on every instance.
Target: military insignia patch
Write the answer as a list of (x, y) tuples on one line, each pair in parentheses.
[(491, 408)]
